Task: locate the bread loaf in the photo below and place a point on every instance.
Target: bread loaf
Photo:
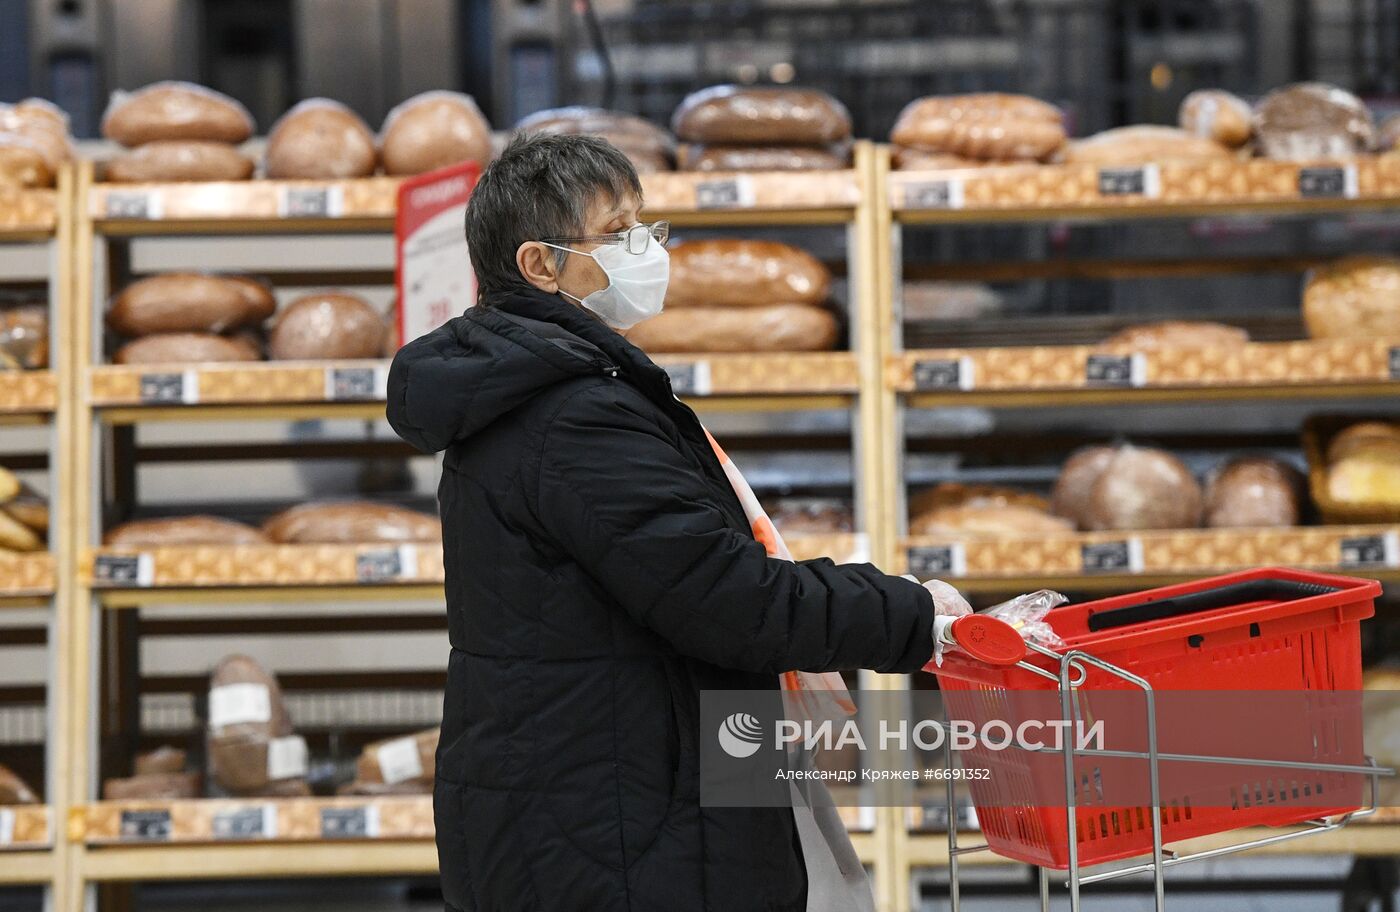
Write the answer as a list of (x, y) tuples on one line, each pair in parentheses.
[(164, 759), (175, 111), (1218, 116), (1142, 145), (24, 337), (14, 790), (246, 712), (904, 158), (1312, 121), (1356, 297), (776, 328), (988, 126), (327, 325), (1388, 135), (764, 158), (29, 509), (433, 130), (811, 515), (189, 302), (182, 530), (640, 140), (989, 521), (165, 786), (395, 760), (22, 163), (953, 494), (1364, 465), (16, 536), (1254, 493), (40, 112), (1070, 498), (320, 139), (1177, 334), (761, 116), (10, 485), (185, 348), (34, 143), (351, 522), (180, 160), (1362, 436), (740, 273), (1143, 488)]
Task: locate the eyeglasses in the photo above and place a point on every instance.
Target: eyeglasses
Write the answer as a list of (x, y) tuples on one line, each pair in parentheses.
[(634, 238)]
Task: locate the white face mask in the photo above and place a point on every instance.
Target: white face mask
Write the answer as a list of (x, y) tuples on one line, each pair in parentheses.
[(636, 287)]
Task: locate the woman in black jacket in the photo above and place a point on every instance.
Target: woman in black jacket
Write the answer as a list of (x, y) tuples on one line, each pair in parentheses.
[(601, 573)]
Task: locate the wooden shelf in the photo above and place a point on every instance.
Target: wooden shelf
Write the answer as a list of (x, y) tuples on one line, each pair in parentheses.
[(1113, 560), (27, 215), (1088, 375), (27, 394), (1040, 193), (759, 197), (28, 827), (26, 578)]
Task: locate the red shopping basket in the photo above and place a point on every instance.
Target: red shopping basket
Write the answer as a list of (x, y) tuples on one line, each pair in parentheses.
[(1258, 630)]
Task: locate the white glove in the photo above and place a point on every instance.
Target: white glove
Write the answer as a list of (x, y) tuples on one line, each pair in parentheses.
[(947, 602)]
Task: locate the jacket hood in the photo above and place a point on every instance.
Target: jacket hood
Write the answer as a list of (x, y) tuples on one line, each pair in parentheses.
[(456, 380)]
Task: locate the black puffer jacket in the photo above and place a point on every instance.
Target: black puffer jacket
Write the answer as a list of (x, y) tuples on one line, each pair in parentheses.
[(600, 574)]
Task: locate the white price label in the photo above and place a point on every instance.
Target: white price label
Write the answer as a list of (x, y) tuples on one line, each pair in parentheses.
[(947, 193), (945, 374), (235, 704), (286, 757), (311, 202), (690, 379), (1143, 180), (387, 565), (180, 387), (7, 826), (1116, 370), (1328, 182), (730, 193), (938, 561), (1112, 557), (357, 384), (399, 760), (124, 570), (135, 204), (361, 822), (1382, 550), (246, 823)]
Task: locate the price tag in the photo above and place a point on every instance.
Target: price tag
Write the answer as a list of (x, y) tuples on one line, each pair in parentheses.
[(180, 388), (399, 760), (7, 826), (311, 202), (730, 193), (236, 704), (1116, 370), (938, 561), (286, 757), (360, 822), (947, 193), (1143, 180), (246, 823), (134, 204), (1395, 363), (356, 384), (1327, 183), (690, 379), (1111, 557), (944, 374), (145, 824), (124, 569), (1380, 550), (387, 564)]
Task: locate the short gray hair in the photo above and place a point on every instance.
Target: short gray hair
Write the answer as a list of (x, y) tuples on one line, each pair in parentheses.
[(540, 187)]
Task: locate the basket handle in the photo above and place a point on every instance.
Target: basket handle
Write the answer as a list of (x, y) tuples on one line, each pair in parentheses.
[(1226, 596)]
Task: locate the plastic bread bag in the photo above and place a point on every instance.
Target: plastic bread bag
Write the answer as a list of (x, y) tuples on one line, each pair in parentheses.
[(432, 130), (1312, 121), (761, 115), (174, 110), (1217, 115), (1026, 615), (24, 337)]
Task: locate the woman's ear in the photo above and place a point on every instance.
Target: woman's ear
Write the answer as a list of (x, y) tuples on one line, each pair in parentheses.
[(537, 264)]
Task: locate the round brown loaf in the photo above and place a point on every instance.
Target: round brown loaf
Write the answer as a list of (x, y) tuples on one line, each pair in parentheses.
[(433, 130), (1312, 121), (1216, 115), (320, 139), (725, 272), (1143, 144), (193, 302), (633, 135), (35, 128), (990, 126), (776, 328), (327, 325), (350, 522), (182, 530), (953, 494), (238, 752), (1355, 297), (1143, 488), (175, 111), (1253, 492), (41, 112), (185, 348), (762, 115), (1177, 334), (180, 160), (425, 742), (1070, 498), (763, 158)]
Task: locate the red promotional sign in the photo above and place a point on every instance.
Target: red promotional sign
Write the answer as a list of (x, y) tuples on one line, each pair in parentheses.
[(431, 269)]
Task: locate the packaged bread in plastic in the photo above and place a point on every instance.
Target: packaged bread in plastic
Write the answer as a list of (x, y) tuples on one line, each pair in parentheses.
[(24, 337), (1363, 465), (724, 272), (811, 515), (14, 790), (180, 160), (716, 330), (394, 760), (988, 126), (1356, 297), (433, 130), (320, 139), (183, 530), (1254, 492), (34, 143), (761, 115), (22, 163), (1142, 145), (1140, 488), (1217, 115), (350, 522), (327, 325), (764, 158), (186, 348), (189, 302), (250, 742), (159, 786), (1312, 121), (649, 147), (1177, 334), (175, 111)]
